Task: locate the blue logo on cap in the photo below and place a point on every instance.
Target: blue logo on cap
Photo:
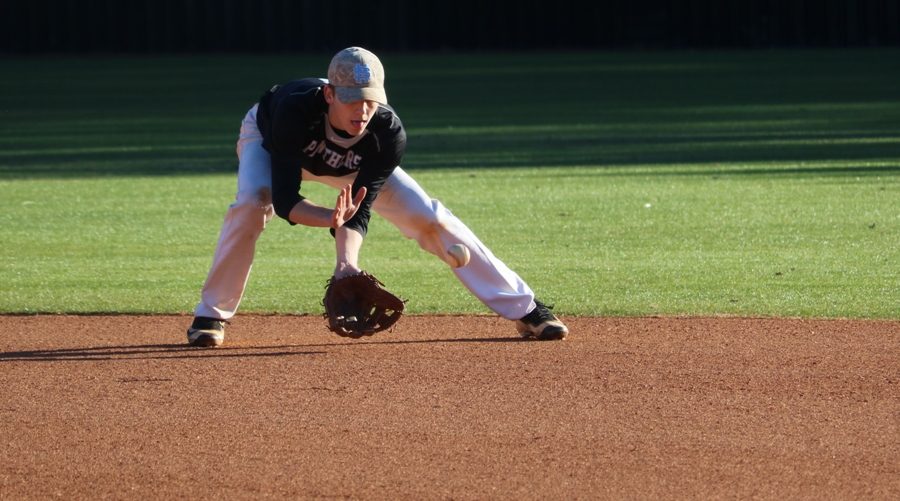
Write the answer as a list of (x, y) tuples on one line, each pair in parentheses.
[(362, 73)]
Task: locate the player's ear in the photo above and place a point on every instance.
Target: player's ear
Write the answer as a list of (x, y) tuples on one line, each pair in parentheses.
[(329, 93)]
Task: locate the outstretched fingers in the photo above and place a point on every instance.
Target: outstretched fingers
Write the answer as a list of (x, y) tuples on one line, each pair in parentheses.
[(346, 206)]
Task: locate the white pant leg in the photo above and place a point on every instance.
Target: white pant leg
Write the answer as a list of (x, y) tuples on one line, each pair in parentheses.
[(406, 205), (244, 222)]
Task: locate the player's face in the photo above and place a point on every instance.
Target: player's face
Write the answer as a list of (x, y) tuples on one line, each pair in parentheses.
[(351, 118)]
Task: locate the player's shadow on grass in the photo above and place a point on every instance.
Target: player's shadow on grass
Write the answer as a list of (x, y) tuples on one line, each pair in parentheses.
[(182, 351)]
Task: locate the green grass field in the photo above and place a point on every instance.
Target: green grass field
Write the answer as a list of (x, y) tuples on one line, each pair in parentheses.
[(634, 183)]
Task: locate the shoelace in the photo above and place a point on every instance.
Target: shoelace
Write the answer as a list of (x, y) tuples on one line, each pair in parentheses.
[(208, 323), (541, 313)]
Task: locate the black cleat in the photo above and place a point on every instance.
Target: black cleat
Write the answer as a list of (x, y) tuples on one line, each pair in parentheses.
[(206, 332), (541, 324)]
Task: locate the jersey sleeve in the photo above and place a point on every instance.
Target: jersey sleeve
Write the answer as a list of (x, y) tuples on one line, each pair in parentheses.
[(283, 128), (285, 186)]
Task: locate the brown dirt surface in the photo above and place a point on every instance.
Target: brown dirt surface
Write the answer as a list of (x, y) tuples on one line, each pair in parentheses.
[(450, 407)]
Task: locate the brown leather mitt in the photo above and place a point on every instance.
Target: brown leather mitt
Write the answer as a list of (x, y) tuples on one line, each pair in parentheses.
[(359, 305)]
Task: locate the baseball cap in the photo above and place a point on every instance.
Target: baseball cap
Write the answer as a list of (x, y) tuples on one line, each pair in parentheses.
[(357, 74)]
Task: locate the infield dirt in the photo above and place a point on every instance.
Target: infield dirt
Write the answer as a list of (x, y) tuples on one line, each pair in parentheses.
[(450, 407)]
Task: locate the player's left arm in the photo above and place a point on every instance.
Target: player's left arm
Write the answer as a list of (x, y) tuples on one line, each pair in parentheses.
[(347, 243), (349, 236), (370, 179), (390, 138)]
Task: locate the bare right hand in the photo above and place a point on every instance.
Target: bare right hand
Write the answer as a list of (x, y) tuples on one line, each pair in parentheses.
[(346, 206)]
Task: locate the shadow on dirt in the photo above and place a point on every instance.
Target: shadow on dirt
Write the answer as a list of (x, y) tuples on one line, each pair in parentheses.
[(181, 351)]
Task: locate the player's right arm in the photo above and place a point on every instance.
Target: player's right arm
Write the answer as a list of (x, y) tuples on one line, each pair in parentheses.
[(284, 117), (307, 213), (348, 241)]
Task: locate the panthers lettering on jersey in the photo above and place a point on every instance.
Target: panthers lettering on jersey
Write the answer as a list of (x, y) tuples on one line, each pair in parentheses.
[(319, 150)]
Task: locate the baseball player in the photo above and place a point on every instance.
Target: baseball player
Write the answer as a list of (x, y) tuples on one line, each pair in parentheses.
[(342, 132)]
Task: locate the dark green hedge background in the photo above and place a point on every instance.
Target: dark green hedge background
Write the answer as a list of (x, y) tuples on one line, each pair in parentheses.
[(149, 26)]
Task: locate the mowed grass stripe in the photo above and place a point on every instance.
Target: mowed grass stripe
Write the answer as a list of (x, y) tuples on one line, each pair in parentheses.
[(706, 183)]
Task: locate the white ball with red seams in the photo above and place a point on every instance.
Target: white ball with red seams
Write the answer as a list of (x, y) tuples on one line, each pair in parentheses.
[(459, 255)]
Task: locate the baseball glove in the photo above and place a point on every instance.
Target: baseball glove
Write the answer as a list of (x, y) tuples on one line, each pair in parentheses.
[(359, 305)]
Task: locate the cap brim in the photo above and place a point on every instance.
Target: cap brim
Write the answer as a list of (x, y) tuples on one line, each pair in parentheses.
[(352, 94)]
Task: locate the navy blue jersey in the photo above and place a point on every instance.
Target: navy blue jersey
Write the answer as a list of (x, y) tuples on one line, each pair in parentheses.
[(294, 124)]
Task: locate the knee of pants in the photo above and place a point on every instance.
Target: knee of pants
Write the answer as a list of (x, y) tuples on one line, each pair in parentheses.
[(427, 219), (430, 227), (253, 210)]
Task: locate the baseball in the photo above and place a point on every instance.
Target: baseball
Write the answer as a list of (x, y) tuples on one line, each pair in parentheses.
[(459, 255)]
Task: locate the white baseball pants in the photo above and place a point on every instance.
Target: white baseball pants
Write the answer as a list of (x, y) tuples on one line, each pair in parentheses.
[(401, 201)]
